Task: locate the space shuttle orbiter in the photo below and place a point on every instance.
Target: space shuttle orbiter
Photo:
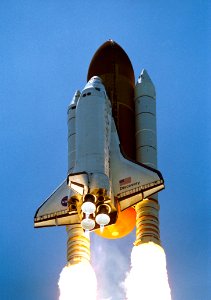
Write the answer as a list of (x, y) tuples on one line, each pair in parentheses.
[(108, 129)]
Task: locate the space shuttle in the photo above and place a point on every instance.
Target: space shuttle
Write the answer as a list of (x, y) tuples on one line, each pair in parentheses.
[(112, 150)]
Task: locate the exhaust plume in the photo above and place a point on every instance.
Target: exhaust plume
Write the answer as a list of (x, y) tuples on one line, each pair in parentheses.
[(78, 282), (147, 279)]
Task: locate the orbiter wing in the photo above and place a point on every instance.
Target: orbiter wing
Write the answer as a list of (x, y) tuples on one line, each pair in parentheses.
[(54, 211), (131, 181)]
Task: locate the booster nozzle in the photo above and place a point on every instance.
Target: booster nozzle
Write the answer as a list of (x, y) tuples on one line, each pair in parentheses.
[(78, 245), (147, 222)]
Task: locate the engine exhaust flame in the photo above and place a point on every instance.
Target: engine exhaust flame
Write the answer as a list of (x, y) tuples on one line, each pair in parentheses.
[(78, 282), (147, 279)]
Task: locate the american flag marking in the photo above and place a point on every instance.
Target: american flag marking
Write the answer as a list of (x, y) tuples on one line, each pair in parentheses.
[(125, 181)]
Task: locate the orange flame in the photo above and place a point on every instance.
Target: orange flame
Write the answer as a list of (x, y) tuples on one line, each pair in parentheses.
[(147, 279)]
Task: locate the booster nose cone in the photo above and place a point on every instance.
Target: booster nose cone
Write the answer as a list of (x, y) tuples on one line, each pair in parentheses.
[(75, 97), (144, 76), (146, 86)]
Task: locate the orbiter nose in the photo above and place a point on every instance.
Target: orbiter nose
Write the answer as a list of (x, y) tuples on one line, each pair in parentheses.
[(94, 83)]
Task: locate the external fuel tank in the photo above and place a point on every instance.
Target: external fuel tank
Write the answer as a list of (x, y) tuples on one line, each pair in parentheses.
[(114, 67)]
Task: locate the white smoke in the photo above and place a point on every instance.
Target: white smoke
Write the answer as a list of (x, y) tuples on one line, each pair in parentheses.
[(111, 260)]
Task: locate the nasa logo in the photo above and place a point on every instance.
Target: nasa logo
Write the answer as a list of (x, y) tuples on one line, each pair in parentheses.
[(64, 201)]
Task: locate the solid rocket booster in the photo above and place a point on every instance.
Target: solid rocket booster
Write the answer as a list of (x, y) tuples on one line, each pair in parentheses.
[(105, 180), (145, 110), (78, 244), (71, 131), (147, 211)]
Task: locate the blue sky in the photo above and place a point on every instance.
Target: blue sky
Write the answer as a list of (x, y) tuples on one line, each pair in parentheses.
[(46, 48)]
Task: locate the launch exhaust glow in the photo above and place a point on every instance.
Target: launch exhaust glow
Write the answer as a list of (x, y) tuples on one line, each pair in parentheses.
[(147, 279), (78, 281)]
